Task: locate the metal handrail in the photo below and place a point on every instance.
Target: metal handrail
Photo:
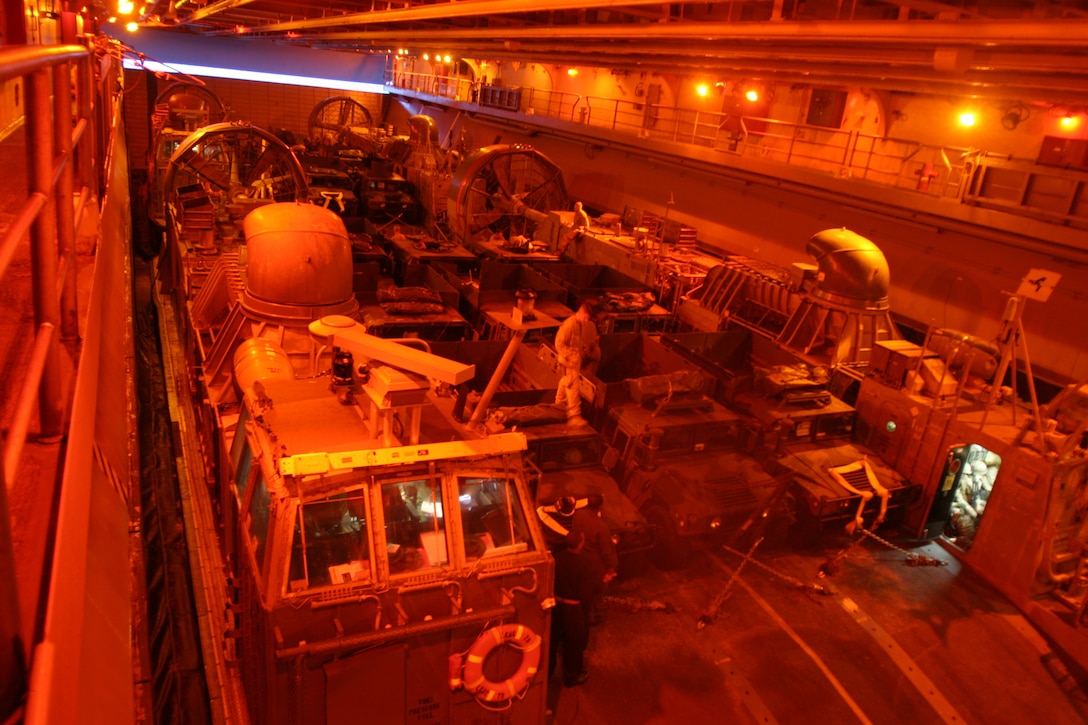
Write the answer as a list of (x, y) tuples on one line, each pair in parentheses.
[(62, 149), (944, 172)]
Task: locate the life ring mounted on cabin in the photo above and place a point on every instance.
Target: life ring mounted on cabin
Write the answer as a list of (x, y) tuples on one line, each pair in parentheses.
[(467, 670)]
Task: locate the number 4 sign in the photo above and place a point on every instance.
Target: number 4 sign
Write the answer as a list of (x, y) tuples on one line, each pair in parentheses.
[(1038, 284)]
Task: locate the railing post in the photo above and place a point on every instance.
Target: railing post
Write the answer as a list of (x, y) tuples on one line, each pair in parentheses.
[(43, 245), (66, 215), (12, 655), (848, 152), (88, 146)]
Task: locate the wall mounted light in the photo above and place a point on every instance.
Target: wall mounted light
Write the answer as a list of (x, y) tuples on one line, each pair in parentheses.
[(702, 90), (1069, 122), (752, 95), (967, 119), (1015, 115), (572, 72)]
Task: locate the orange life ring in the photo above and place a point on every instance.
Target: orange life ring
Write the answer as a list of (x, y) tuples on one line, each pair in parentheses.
[(516, 635)]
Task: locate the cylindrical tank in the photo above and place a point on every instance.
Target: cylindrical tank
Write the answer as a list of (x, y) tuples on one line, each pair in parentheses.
[(300, 262), (852, 270), (259, 359)]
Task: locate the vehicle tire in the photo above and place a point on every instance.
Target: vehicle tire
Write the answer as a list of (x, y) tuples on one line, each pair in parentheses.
[(670, 551)]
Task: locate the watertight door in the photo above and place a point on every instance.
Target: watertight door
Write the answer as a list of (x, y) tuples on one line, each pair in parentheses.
[(945, 492)]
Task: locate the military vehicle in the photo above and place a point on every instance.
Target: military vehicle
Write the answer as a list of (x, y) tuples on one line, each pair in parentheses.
[(679, 455), (800, 429)]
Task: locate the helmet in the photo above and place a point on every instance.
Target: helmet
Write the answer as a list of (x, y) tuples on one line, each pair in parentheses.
[(565, 505)]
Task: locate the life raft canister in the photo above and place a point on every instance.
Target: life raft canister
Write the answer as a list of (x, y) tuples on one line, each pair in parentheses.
[(468, 670)]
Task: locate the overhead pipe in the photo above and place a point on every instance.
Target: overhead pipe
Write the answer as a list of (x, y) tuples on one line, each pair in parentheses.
[(1018, 32), (868, 33), (983, 55)]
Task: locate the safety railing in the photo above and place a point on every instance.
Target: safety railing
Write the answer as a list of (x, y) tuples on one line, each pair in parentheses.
[(1050, 193), (56, 80), (452, 87), (962, 175), (62, 155)]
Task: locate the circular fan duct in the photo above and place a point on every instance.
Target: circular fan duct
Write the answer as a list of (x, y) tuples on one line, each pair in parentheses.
[(331, 119), (189, 106), (226, 167), (507, 189)]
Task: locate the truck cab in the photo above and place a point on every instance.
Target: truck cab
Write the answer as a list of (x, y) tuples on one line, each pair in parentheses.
[(679, 455), (800, 429)]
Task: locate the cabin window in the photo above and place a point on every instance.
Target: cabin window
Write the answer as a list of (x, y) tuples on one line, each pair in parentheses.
[(415, 528), (563, 454), (831, 426), (676, 440), (241, 473), (492, 517), (258, 519), (241, 457), (719, 437), (619, 437), (331, 543), (238, 443)]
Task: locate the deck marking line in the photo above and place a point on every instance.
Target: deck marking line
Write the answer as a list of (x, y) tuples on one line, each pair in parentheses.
[(904, 662), (839, 688), (748, 695)]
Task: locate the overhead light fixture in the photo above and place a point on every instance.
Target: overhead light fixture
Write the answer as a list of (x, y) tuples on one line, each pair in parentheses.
[(968, 119), (752, 95), (250, 75), (1014, 116), (702, 90), (132, 26)]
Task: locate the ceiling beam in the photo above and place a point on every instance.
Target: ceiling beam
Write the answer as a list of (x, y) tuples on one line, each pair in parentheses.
[(978, 32), (213, 9)]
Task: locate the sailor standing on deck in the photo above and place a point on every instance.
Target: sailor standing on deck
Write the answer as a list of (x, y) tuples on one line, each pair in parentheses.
[(581, 216), (577, 344), (599, 550), (570, 621)]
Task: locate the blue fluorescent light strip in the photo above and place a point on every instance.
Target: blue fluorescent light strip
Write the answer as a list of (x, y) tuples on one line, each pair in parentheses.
[(252, 75)]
